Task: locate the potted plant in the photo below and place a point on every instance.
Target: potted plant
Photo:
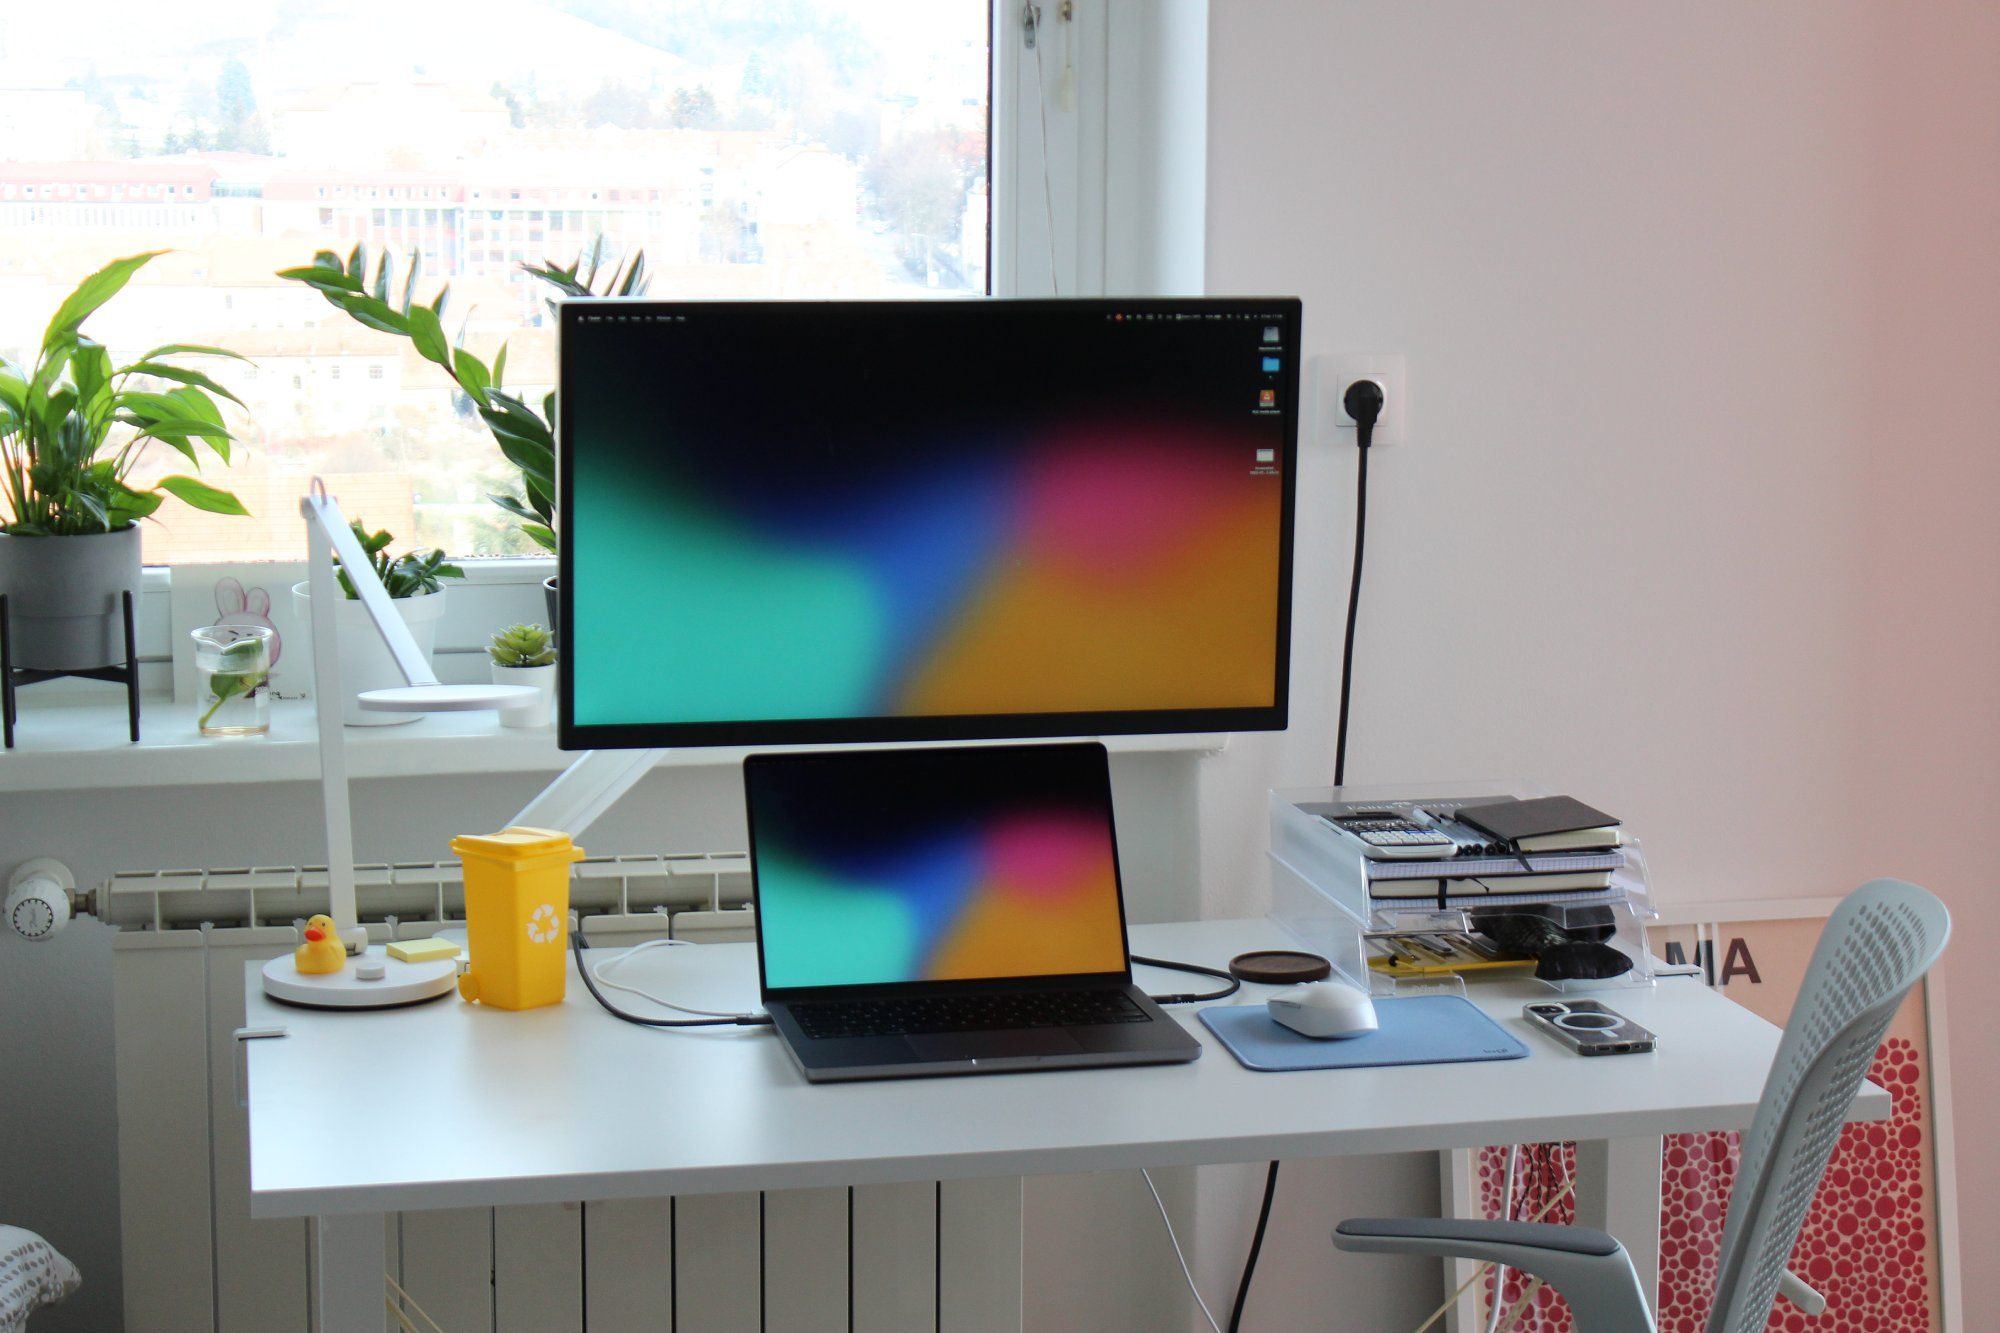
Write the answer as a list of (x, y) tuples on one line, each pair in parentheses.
[(415, 581), (525, 655), (525, 433), (73, 427)]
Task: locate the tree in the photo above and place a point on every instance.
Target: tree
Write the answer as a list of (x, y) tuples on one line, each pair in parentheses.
[(618, 105), (693, 109), (919, 190), (239, 127)]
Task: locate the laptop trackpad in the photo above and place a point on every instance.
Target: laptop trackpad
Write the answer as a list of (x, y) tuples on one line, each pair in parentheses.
[(994, 1045)]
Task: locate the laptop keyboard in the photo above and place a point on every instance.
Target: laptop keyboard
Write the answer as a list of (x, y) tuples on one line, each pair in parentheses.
[(966, 1013)]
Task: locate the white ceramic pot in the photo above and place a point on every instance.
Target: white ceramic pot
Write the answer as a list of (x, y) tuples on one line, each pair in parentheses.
[(365, 661), (538, 711)]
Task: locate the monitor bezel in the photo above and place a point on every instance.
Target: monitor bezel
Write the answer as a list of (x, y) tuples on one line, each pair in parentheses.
[(860, 761), (936, 727)]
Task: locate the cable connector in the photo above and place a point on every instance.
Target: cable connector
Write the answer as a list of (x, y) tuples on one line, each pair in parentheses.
[(1363, 403)]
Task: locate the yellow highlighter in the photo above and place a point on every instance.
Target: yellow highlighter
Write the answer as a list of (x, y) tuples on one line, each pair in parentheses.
[(516, 915)]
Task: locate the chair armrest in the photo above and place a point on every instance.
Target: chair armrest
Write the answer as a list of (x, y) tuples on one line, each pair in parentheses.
[(1590, 1268), (1794, 1289)]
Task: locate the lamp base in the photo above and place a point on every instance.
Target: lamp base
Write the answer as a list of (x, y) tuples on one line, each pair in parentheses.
[(400, 982)]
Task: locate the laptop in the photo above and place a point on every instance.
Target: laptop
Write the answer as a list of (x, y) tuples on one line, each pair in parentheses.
[(946, 911)]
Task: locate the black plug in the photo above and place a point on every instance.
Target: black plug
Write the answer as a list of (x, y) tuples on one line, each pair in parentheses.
[(1363, 401)]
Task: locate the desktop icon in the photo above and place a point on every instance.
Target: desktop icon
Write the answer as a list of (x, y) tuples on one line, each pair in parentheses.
[(1270, 365), (1267, 455), (1267, 397), (1271, 333)]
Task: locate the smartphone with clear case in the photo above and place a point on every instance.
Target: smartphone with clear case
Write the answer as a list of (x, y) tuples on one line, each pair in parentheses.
[(1589, 1028)]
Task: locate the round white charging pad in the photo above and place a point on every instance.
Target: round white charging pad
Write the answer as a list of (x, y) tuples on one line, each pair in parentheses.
[(401, 982), (445, 698)]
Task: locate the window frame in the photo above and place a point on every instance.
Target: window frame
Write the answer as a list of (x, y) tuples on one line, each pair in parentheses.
[(1122, 213)]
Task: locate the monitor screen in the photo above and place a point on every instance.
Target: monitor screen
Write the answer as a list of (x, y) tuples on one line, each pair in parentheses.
[(808, 522), (882, 867)]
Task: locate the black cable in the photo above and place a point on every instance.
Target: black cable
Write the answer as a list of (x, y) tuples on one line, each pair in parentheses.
[(1256, 1248), (576, 947), (1364, 437), (1197, 969), (1363, 401)]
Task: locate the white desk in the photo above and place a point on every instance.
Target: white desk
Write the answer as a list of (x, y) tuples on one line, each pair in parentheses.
[(493, 1108)]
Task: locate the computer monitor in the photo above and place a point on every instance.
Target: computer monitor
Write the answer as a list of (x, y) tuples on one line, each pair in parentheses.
[(810, 522)]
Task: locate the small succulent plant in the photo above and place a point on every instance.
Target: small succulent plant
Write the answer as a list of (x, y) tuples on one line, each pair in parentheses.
[(522, 646)]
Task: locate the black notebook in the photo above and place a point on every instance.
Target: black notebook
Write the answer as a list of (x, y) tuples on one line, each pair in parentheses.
[(1524, 823)]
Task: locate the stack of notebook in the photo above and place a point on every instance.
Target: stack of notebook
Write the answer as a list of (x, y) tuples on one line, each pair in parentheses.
[(1550, 845)]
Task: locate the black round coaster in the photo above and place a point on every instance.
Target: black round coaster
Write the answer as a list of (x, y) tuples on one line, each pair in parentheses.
[(1279, 967)]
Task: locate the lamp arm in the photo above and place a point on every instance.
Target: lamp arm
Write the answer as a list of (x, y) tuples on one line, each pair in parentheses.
[(320, 509), (591, 785)]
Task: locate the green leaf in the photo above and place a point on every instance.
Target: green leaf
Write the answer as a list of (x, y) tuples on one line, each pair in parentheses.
[(181, 375), (499, 365), (427, 334), (375, 314), (472, 373), (13, 387), (90, 370), (541, 536), (514, 507), (382, 279), (201, 495), (326, 281), (410, 282), (93, 292), (192, 349), (357, 263)]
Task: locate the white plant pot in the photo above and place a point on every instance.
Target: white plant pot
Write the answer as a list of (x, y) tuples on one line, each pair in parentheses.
[(538, 711), (365, 661)]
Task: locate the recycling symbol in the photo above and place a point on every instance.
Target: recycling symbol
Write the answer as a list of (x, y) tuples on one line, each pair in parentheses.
[(542, 924)]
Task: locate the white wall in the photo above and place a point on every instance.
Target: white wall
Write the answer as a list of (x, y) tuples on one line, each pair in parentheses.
[(1697, 520)]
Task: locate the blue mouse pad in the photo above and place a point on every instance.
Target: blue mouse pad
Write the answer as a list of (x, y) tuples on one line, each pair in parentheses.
[(1415, 1030)]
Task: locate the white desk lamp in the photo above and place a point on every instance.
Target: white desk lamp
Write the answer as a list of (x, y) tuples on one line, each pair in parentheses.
[(359, 985)]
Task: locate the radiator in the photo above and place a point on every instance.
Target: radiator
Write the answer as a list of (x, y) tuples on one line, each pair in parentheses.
[(929, 1255)]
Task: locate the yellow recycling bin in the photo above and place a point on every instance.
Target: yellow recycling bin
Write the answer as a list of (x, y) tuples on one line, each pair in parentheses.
[(516, 915)]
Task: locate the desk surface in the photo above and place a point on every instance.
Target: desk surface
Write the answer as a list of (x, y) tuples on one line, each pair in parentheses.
[(452, 1105)]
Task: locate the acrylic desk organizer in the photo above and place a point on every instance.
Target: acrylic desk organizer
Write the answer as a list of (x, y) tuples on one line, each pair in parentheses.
[(1320, 891)]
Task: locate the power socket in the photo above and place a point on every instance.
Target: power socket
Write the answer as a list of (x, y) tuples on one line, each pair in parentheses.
[(1332, 372)]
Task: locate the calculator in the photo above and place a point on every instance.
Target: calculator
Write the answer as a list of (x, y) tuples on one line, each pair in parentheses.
[(1386, 835)]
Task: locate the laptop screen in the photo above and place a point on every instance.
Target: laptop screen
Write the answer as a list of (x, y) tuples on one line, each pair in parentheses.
[(897, 866)]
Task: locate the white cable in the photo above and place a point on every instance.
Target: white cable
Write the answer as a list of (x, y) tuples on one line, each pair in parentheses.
[(598, 970), (1506, 1215), (1048, 191), (1168, 1222)]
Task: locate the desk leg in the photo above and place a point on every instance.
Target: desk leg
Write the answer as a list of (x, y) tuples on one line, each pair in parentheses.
[(1618, 1190), (349, 1260)]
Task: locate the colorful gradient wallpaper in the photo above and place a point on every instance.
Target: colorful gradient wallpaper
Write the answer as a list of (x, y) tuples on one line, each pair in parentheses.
[(934, 865), (937, 510)]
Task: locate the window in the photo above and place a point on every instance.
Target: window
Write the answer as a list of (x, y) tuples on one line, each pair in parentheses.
[(760, 149)]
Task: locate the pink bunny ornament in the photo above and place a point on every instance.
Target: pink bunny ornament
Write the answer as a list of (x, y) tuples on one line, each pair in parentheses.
[(238, 607)]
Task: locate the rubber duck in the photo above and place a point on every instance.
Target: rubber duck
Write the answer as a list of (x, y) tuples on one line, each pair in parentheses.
[(322, 952)]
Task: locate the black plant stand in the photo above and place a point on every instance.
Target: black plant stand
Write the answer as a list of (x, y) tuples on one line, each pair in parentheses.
[(13, 678)]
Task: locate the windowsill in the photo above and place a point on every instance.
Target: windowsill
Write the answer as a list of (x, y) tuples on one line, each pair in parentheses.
[(70, 747)]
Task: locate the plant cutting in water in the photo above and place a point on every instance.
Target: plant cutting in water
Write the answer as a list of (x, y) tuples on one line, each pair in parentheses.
[(227, 685)]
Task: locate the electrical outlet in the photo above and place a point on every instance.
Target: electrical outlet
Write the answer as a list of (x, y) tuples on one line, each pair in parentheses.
[(1332, 372)]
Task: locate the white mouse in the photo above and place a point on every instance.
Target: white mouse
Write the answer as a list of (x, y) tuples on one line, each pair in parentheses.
[(1324, 1009)]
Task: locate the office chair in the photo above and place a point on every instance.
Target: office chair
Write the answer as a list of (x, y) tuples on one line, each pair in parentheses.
[(1877, 945)]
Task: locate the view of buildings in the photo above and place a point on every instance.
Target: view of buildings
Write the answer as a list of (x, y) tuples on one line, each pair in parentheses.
[(775, 149)]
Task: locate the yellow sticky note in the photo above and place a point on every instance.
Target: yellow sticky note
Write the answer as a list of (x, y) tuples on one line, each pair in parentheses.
[(422, 951)]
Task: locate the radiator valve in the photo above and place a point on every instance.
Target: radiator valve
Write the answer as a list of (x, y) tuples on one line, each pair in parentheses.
[(38, 897)]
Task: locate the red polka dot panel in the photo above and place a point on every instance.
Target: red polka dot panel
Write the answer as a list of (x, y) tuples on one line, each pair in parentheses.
[(1865, 1244)]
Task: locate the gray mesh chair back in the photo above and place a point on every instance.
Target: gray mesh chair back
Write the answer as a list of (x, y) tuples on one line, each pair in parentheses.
[(1877, 945)]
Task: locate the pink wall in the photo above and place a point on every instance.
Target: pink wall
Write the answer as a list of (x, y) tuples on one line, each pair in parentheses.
[(1702, 310)]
